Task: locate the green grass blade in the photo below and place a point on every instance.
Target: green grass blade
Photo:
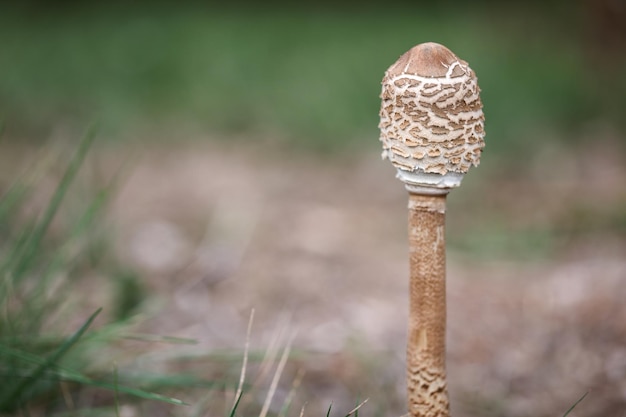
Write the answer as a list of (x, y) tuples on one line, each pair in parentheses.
[(157, 382), (142, 337), (575, 404), (135, 392), (28, 382), (14, 253), (234, 409), (329, 408), (11, 198), (94, 211), (72, 376), (42, 226)]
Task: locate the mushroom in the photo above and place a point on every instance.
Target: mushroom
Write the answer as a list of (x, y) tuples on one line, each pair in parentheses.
[(431, 128)]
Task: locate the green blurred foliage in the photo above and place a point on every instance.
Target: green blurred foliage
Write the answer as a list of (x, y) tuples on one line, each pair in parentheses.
[(52, 266), (308, 75)]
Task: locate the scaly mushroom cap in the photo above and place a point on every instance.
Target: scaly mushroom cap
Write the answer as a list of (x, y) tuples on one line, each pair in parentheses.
[(431, 118)]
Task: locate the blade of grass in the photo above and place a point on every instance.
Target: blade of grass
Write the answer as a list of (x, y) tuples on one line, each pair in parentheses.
[(329, 408), (141, 337), (11, 198), (124, 390), (355, 410), (276, 378), (14, 252), (41, 300), (271, 353), (156, 382), (294, 387), (24, 258), (68, 375), (26, 383), (575, 404), (94, 210), (234, 409), (242, 376)]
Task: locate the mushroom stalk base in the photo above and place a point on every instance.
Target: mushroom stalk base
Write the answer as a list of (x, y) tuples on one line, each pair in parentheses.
[(426, 369)]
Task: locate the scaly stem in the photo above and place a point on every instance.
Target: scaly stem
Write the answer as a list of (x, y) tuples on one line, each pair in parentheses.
[(426, 368)]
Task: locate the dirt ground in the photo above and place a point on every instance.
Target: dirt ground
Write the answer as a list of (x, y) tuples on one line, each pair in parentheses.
[(317, 247)]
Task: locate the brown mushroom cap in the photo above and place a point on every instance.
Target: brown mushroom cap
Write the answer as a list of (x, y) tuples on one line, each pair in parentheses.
[(428, 59), (431, 118)]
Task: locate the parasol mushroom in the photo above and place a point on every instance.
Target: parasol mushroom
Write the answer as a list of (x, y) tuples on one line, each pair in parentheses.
[(431, 125)]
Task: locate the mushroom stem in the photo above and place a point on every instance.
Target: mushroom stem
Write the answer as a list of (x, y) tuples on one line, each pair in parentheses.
[(426, 369)]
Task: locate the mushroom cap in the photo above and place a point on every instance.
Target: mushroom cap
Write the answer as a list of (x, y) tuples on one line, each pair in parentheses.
[(431, 118)]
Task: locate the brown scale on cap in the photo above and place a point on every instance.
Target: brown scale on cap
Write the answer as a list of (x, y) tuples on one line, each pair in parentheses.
[(431, 109)]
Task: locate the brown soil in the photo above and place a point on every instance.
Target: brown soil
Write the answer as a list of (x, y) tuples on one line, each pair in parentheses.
[(317, 246)]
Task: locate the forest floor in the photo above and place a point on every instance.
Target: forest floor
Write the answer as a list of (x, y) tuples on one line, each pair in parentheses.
[(317, 247)]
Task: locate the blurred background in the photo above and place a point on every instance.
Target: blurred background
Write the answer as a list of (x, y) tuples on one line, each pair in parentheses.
[(236, 166)]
